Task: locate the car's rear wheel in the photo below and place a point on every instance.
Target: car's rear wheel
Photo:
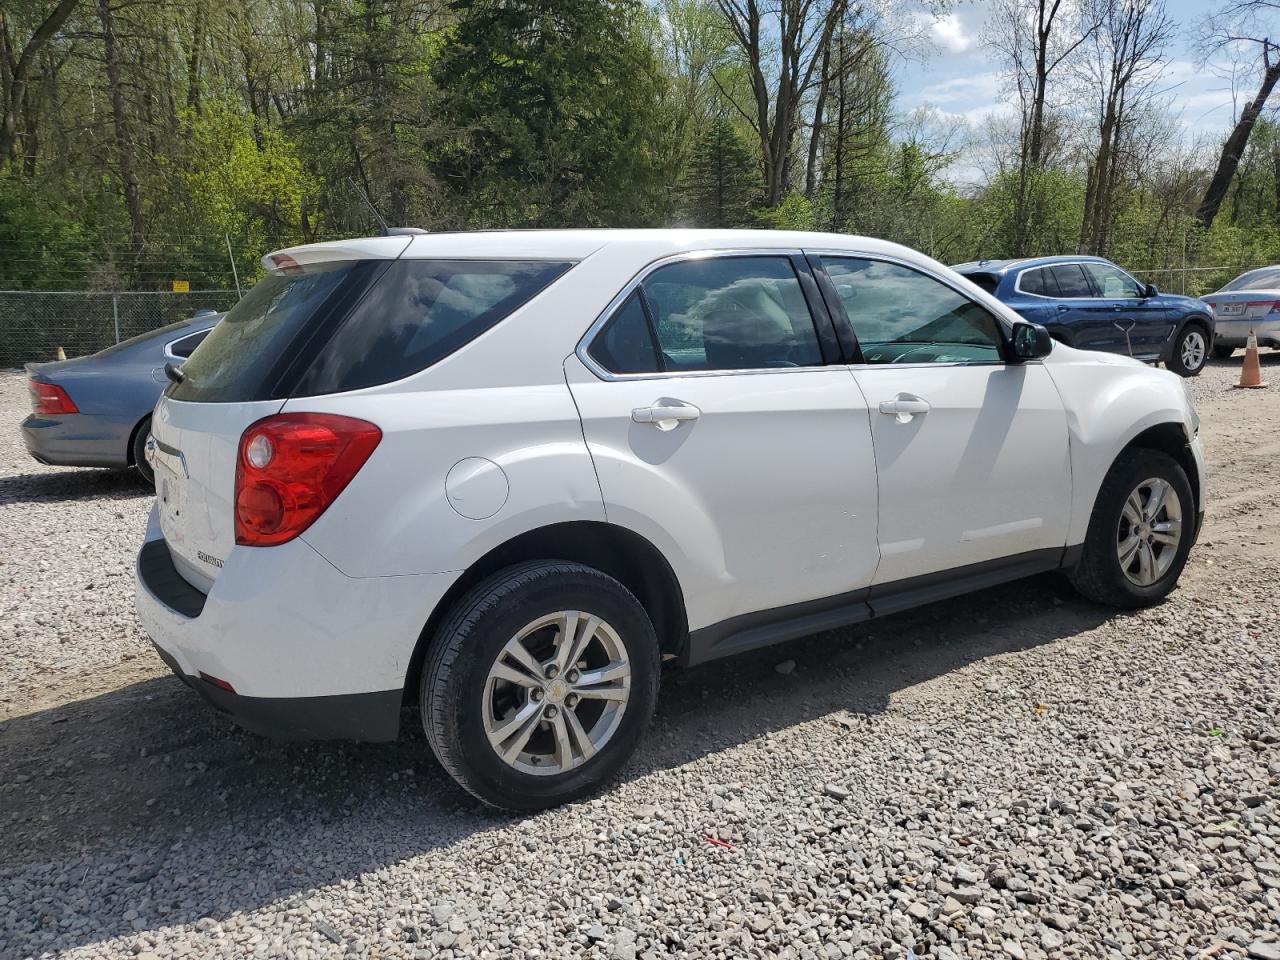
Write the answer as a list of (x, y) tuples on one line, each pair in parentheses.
[(1190, 351), (539, 684), (1140, 533), (1223, 352), (139, 452)]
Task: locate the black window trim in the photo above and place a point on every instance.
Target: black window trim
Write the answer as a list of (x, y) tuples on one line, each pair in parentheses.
[(824, 329), (1097, 294), (856, 359)]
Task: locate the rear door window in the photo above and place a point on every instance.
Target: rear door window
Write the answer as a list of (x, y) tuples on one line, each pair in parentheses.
[(1039, 282), (1072, 283), (417, 314)]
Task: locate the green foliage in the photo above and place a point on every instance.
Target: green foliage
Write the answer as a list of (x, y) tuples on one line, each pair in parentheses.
[(552, 104), (722, 182), (243, 183), (795, 212)]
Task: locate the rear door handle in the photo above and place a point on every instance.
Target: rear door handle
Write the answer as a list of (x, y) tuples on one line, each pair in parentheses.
[(666, 414), (904, 407)]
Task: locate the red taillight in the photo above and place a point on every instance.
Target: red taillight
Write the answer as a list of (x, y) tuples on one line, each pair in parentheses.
[(220, 684), (290, 467), (50, 399)]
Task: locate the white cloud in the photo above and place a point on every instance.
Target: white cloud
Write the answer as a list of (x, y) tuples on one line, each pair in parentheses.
[(979, 88), (950, 34)]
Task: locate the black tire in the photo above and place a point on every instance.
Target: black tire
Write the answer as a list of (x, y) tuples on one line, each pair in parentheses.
[(469, 642), (1177, 363), (1223, 352), (139, 452), (1099, 576)]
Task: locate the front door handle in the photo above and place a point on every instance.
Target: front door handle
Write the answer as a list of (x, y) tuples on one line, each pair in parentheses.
[(904, 407), (666, 414)]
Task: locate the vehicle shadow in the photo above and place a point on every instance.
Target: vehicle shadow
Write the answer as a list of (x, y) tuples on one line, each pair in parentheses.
[(80, 483), (103, 796)]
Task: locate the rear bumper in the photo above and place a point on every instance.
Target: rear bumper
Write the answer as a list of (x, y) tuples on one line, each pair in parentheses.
[(372, 717), (308, 653), (78, 440), (1234, 333)]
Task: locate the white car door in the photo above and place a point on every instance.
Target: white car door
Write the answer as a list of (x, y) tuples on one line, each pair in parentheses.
[(972, 452), (719, 431)]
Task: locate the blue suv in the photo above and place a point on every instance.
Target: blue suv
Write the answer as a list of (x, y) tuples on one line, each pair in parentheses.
[(1090, 303)]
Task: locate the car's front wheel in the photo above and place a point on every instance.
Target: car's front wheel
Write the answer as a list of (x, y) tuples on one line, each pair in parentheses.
[(539, 684), (1190, 351), (1140, 533)]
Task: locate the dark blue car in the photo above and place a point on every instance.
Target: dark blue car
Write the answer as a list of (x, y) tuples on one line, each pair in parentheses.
[(1090, 303)]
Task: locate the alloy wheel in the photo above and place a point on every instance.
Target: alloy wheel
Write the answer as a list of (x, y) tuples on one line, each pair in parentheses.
[(1149, 532), (556, 693), (1193, 350)]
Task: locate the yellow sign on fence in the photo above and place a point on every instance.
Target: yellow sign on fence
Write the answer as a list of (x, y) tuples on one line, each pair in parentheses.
[(182, 286)]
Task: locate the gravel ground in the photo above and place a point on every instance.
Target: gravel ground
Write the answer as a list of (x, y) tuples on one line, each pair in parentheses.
[(1012, 774)]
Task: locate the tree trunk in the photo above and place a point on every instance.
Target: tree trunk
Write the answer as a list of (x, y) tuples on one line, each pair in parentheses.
[(16, 72), (124, 141), (193, 59), (1234, 148), (811, 168)]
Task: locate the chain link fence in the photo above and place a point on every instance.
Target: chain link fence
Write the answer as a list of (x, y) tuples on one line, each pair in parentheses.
[(33, 324)]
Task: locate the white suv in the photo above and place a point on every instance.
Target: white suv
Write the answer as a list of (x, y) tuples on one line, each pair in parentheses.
[(500, 477)]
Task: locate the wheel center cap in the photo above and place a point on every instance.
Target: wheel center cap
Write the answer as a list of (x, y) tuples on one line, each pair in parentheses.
[(557, 690), (1144, 531)]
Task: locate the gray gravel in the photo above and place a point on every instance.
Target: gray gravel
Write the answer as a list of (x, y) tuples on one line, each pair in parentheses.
[(67, 542), (1013, 774)]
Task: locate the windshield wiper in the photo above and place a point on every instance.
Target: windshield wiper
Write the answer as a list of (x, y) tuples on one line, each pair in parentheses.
[(174, 373)]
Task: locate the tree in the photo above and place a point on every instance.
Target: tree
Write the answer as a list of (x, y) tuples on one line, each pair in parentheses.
[(1238, 24), (17, 60), (801, 32), (1127, 57), (553, 112), (1035, 38), (721, 185)]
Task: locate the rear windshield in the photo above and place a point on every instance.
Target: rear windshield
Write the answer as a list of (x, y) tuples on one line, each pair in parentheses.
[(1266, 279), (238, 360), (140, 338), (986, 281), (417, 314), (298, 334)]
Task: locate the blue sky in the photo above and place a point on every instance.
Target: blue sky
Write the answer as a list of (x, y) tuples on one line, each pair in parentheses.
[(960, 76)]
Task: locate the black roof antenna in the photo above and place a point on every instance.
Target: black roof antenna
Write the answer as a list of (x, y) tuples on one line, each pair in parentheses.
[(387, 231)]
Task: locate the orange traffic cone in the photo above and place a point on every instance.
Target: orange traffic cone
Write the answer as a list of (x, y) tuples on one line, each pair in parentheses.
[(62, 354), (1251, 372)]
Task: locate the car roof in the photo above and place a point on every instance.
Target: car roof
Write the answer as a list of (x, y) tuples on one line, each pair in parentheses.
[(576, 244), (1004, 266)]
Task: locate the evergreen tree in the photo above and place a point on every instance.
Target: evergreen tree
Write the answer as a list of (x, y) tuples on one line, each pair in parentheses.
[(722, 183), (554, 106)]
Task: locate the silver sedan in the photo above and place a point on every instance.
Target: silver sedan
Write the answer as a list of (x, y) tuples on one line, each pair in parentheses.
[(1250, 302), (95, 411)]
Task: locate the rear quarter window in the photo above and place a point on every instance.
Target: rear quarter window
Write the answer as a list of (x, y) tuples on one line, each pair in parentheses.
[(418, 313)]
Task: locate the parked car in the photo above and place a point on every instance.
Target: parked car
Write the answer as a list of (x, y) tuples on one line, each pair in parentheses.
[(95, 411), (1091, 304), (502, 476), (1250, 302)]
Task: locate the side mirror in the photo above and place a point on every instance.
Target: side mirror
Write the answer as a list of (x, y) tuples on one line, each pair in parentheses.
[(1030, 341), (1150, 290)]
